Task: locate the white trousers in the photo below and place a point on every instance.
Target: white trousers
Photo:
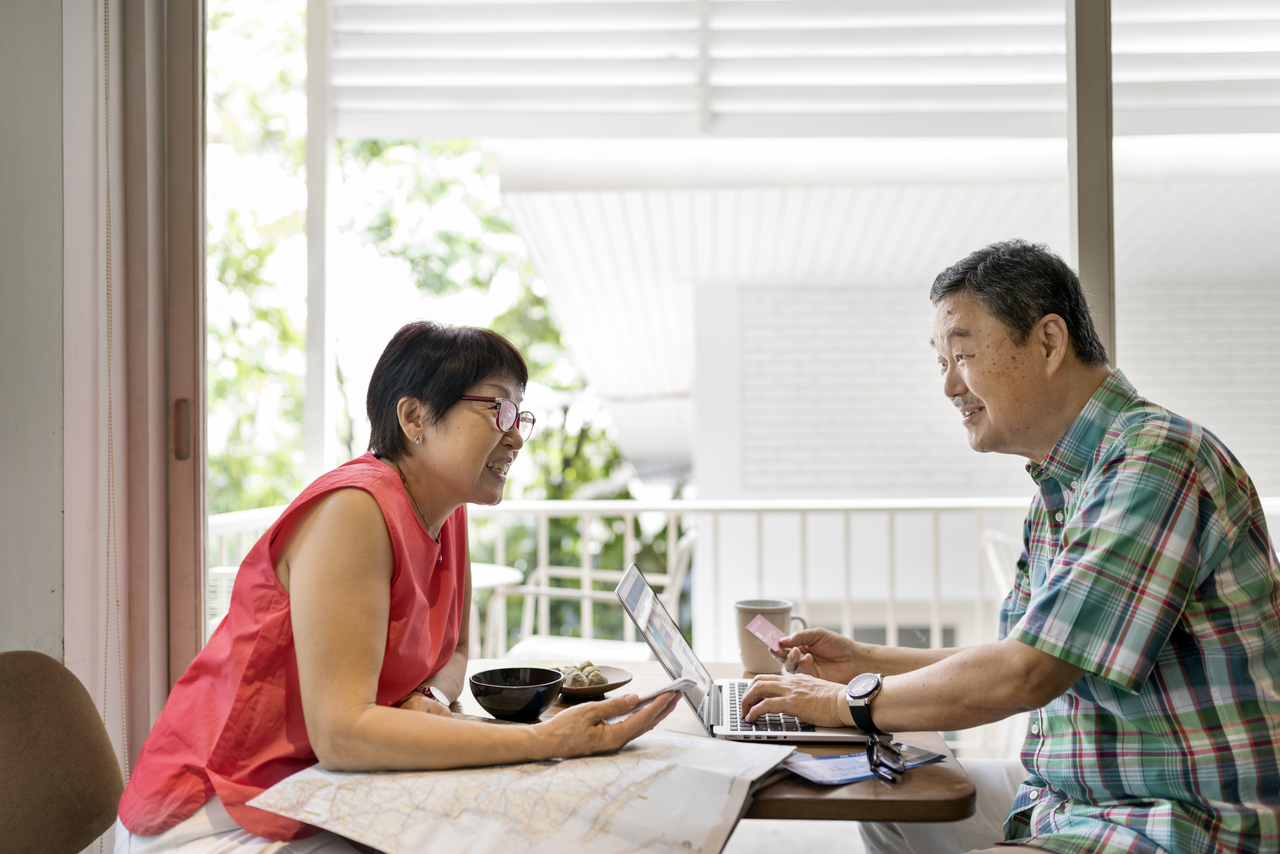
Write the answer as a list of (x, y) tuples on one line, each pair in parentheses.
[(996, 782), (210, 830)]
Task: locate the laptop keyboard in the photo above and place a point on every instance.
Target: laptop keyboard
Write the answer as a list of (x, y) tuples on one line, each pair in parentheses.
[(764, 723)]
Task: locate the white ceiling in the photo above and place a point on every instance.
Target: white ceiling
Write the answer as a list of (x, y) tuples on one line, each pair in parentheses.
[(769, 68), (793, 142), (622, 264)]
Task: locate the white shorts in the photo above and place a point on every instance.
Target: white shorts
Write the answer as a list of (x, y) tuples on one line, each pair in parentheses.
[(210, 830)]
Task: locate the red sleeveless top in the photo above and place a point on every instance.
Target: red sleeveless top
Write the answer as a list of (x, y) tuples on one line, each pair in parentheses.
[(233, 724)]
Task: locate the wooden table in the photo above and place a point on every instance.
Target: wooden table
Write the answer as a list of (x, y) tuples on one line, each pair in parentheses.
[(938, 792)]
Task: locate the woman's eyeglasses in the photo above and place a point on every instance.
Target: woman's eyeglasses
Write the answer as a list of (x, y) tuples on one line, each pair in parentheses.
[(508, 415)]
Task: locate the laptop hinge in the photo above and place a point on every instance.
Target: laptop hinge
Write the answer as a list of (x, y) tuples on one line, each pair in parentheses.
[(712, 703)]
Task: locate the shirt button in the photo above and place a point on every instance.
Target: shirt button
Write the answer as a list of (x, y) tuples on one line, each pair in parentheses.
[(1035, 796), (1035, 729), (1075, 484), (1058, 515)]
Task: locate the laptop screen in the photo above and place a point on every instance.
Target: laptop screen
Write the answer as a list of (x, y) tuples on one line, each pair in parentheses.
[(663, 635)]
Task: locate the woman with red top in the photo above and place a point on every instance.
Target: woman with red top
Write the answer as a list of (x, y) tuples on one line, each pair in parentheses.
[(347, 633)]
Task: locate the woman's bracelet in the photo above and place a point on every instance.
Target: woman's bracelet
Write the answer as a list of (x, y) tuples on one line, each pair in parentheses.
[(433, 693)]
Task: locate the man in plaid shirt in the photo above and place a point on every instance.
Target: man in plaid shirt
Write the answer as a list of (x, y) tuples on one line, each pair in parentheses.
[(1143, 629)]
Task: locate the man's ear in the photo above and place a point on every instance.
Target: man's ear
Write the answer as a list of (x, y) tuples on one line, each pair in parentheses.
[(1051, 336)]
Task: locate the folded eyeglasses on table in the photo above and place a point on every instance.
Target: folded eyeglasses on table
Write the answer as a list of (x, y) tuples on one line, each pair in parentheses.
[(884, 758)]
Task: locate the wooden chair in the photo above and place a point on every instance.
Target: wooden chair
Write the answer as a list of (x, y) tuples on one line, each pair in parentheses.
[(60, 783)]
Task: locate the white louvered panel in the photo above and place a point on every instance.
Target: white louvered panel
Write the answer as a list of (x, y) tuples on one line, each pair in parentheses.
[(519, 73), (797, 68), (905, 71), (827, 14), (887, 42), (463, 17), (517, 46), (533, 99)]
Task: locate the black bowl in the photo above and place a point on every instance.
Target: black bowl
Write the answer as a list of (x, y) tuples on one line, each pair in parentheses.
[(519, 694)]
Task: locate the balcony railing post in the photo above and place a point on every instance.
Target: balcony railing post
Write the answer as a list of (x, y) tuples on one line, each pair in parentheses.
[(628, 558), (891, 610), (846, 606), (584, 549), (544, 572), (980, 607), (759, 553), (935, 605), (804, 566)]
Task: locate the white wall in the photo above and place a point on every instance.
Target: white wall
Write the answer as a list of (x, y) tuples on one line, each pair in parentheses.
[(31, 426)]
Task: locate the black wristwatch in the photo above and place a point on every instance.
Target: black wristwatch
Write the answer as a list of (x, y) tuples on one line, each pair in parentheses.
[(860, 692)]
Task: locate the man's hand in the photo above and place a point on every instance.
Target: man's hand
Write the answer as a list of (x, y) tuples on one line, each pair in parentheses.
[(821, 653), (810, 699), (582, 731)]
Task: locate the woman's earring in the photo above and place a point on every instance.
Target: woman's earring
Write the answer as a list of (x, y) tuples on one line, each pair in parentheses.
[(417, 440)]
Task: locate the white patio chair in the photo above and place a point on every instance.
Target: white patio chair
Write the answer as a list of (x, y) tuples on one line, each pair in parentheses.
[(540, 646), (1002, 552)]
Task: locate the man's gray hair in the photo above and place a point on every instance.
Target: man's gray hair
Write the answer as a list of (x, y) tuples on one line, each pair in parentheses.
[(1019, 283)]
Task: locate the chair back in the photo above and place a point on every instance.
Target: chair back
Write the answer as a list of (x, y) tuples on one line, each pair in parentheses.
[(1002, 552), (60, 783)]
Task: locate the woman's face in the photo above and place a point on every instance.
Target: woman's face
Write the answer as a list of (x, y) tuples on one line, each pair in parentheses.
[(465, 455)]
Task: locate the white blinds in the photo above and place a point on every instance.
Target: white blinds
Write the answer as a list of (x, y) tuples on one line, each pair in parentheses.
[(794, 68)]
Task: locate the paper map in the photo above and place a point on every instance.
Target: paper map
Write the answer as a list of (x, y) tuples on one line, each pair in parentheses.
[(665, 792)]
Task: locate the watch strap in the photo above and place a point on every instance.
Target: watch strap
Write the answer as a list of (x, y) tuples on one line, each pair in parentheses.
[(861, 713)]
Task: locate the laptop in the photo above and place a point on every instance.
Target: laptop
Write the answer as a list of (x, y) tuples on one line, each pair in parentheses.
[(717, 703)]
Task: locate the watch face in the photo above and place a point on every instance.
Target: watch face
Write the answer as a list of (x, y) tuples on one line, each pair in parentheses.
[(863, 684)]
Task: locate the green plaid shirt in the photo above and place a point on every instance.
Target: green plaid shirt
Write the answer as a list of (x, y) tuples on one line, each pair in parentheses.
[(1147, 563)]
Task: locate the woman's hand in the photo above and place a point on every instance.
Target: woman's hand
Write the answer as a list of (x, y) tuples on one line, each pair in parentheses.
[(416, 702), (582, 731), (821, 653), (810, 699)]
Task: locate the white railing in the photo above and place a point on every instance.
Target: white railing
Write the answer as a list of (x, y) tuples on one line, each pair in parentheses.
[(887, 570)]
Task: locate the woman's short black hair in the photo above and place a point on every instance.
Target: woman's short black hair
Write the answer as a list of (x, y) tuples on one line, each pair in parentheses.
[(435, 364), (1019, 283)]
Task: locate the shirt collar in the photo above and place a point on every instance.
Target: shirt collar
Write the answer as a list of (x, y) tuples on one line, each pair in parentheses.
[(1071, 458)]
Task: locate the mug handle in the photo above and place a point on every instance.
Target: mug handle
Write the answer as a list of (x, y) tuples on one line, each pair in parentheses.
[(804, 624)]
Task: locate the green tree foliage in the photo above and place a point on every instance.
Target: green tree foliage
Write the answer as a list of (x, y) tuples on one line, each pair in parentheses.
[(256, 86), (251, 388), (441, 213)]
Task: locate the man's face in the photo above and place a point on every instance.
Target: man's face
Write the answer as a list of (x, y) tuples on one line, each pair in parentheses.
[(994, 384)]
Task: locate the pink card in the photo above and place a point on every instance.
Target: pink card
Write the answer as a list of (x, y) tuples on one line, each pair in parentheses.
[(766, 631)]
